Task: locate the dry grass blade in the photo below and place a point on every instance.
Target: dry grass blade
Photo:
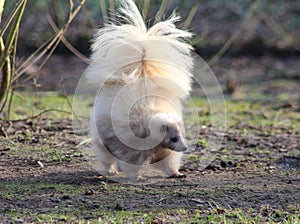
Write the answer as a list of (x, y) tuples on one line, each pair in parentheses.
[(9, 97), (146, 9), (235, 34), (6, 78), (112, 10), (161, 11), (278, 29), (12, 31), (11, 17), (51, 46), (71, 7), (1, 8), (66, 42), (6, 49), (89, 17), (34, 57), (38, 115), (198, 39), (190, 16), (103, 10)]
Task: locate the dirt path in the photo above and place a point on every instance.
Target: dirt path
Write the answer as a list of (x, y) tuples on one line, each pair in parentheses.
[(54, 177), (256, 169)]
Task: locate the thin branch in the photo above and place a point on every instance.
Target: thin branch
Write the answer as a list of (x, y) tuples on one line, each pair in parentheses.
[(200, 37), (112, 10), (36, 55), (103, 10), (11, 17), (44, 62), (66, 42), (6, 78), (53, 44), (37, 115), (2, 2), (163, 6), (287, 38), (190, 16), (68, 99), (146, 9), (89, 17), (12, 31), (10, 103), (235, 34)]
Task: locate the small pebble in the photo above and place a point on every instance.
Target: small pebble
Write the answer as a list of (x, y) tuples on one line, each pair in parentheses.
[(89, 192), (223, 164), (65, 197), (40, 164)]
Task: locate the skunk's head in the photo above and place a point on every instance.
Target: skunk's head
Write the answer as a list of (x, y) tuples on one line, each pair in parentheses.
[(168, 128)]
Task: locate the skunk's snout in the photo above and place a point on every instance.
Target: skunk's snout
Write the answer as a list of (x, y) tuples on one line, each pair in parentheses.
[(179, 146)]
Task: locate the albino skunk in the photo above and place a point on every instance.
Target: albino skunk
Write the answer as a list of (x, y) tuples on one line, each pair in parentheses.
[(144, 75)]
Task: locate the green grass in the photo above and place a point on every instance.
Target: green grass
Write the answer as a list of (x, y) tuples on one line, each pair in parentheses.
[(21, 190), (214, 215), (48, 149), (26, 104), (250, 113), (83, 212), (251, 117), (98, 213), (46, 154)]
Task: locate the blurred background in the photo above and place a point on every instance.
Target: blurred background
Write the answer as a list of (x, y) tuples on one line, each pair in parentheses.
[(252, 46)]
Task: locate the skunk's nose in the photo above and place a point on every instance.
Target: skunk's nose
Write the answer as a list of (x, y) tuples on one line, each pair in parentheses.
[(181, 146)]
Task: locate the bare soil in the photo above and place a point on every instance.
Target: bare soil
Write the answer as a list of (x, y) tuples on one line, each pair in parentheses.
[(247, 180), (43, 170)]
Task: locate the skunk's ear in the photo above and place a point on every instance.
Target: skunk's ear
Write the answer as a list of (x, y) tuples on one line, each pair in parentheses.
[(164, 128)]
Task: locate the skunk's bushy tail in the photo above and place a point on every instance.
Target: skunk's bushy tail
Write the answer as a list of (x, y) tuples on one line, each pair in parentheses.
[(127, 50)]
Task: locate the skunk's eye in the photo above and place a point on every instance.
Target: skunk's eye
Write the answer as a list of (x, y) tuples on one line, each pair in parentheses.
[(175, 139)]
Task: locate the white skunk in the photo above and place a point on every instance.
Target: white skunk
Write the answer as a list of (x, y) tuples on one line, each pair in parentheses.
[(144, 75)]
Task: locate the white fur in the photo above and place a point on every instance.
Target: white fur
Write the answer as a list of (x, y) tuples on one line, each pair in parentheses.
[(145, 74)]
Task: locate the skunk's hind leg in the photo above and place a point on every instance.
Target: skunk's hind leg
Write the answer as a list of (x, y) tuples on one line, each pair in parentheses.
[(131, 171), (106, 159)]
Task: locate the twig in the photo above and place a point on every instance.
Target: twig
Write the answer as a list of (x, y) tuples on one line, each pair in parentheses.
[(66, 42), (162, 9), (235, 34), (159, 200), (10, 103), (146, 8), (112, 10), (6, 77), (103, 10), (44, 61), (12, 32), (89, 17), (62, 80), (52, 43), (37, 115), (190, 16), (287, 38), (1, 8)]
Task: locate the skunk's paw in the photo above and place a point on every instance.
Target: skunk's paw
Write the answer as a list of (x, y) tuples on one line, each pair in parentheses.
[(111, 171), (178, 175)]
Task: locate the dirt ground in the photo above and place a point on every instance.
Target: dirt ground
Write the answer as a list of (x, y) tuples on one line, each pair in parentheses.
[(42, 169), (45, 177), (247, 179)]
